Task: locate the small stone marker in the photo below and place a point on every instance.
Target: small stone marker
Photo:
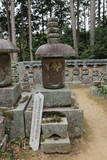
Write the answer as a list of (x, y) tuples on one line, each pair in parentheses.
[(36, 121)]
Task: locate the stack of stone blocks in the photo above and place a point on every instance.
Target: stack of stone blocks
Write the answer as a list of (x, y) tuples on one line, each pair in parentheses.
[(57, 98), (55, 136)]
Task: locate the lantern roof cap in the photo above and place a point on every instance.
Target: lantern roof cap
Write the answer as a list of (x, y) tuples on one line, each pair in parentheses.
[(55, 50), (7, 46)]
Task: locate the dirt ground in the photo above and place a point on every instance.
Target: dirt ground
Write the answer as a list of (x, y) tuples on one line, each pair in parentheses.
[(93, 144)]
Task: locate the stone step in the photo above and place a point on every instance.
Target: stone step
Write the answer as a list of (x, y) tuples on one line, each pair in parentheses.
[(54, 128), (61, 145)]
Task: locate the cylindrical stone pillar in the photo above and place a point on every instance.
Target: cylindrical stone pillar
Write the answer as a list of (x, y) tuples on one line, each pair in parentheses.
[(53, 72)]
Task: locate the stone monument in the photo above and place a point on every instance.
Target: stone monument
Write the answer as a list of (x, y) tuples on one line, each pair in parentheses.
[(76, 75), (105, 75), (85, 74), (95, 74), (53, 68), (9, 93), (54, 91)]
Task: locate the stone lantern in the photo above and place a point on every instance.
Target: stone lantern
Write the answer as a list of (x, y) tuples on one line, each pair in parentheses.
[(53, 53), (9, 93), (6, 48)]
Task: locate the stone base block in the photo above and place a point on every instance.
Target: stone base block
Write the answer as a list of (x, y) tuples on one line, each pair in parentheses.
[(56, 146), (18, 123), (55, 128), (55, 97), (74, 117), (75, 120), (10, 95)]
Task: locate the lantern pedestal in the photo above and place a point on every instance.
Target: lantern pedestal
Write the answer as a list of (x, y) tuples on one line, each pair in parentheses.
[(10, 95)]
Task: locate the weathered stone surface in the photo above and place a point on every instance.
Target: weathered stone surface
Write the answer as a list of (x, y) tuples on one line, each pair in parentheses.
[(53, 72), (74, 117), (28, 118), (52, 19), (9, 95), (55, 128), (5, 70), (56, 146), (53, 40), (18, 122), (2, 127), (23, 77), (53, 24), (53, 35), (36, 121), (53, 30), (38, 76), (75, 120), (3, 143), (7, 47), (55, 50), (56, 97)]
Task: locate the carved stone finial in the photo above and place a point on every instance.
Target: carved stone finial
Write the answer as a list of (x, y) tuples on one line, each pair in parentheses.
[(53, 30)]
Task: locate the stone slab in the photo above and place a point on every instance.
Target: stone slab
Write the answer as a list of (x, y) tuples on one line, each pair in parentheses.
[(55, 128), (56, 146), (10, 95), (36, 121), (74, 117), (18, 122), (3, 143), (2, 127), (55, 97)]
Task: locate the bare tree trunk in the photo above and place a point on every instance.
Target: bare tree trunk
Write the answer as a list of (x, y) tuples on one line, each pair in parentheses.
[(13, 29), (99, 11), (78, 22), (30, 30), (92, 27), (8, 18), (104, 12), (73, 19)]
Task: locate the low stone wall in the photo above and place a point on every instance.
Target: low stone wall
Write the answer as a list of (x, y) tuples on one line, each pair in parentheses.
[(77, 72)]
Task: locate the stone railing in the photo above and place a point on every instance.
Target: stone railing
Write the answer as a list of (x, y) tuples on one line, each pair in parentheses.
[(77, 71)]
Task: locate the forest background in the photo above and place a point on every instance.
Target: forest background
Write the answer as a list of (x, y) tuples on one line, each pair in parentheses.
[(83, 25)]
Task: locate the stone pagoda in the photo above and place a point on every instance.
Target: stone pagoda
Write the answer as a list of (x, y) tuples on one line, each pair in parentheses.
[(53, 68), (9, 93), (57, 98)]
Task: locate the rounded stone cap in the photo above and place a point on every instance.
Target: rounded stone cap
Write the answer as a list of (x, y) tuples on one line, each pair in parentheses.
[(7, 47), (55, 50)]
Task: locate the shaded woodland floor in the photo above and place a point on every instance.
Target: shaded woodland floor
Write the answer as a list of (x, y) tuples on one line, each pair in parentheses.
[(93, 144)]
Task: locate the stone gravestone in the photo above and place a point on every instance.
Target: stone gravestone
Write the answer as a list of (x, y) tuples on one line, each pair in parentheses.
[(76, 75), (85, 74), (38, 76), (23, 77), (105, 75), (36, 121), (21, 70), (95, 74)]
